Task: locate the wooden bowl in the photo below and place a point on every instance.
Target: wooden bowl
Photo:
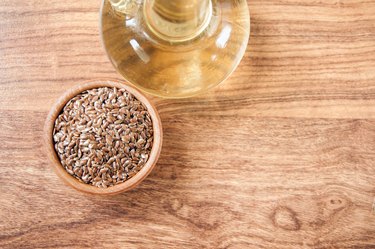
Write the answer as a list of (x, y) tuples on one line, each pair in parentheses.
[(87, 188)]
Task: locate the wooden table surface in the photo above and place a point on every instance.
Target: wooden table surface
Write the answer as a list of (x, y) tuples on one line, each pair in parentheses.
[(281, 155)]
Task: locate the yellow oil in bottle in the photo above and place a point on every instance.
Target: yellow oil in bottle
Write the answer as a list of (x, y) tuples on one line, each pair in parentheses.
[(175, 48)]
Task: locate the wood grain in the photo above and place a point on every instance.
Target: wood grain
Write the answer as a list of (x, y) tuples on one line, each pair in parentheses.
[(279, 156)]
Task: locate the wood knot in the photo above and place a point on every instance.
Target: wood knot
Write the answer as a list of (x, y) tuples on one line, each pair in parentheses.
[(285, 218), (336, 203), (176, 205), (195, 213)]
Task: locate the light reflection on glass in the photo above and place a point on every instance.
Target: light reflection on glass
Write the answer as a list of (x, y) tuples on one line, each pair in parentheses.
[(130, 22), (222, 40), (139, 51)]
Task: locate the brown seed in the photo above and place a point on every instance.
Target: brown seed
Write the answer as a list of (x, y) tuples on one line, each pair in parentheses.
[(111, 160)]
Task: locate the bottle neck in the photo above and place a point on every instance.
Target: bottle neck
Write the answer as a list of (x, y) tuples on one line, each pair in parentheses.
[(178, 20)]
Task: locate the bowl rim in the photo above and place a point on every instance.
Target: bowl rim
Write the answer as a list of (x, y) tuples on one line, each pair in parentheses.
[(52, 155)]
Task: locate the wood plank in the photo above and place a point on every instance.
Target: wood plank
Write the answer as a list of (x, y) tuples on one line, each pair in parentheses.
[(281, 155)]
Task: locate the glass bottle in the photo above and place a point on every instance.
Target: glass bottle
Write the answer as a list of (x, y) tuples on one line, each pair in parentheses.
[(175, 48)]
